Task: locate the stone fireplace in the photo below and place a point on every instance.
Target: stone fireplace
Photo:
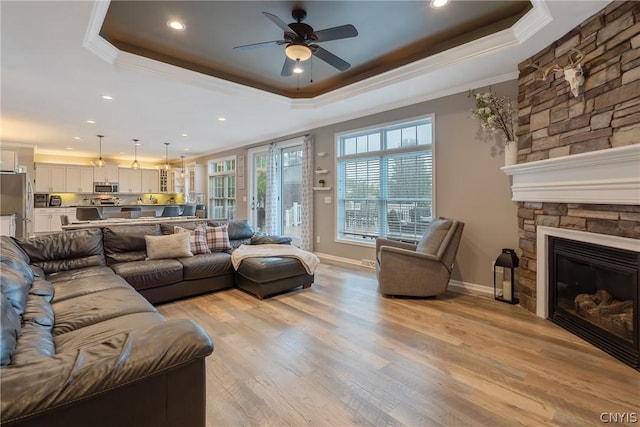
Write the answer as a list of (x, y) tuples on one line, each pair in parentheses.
[(578, 168), (588, 200)]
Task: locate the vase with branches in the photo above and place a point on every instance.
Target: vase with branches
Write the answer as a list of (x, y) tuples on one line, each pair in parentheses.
[(496, 115)]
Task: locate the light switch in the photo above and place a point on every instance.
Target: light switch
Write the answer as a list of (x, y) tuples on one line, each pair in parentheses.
[(327, 199)]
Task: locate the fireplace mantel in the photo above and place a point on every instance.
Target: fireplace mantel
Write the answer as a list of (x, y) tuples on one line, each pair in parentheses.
[(610, 176)]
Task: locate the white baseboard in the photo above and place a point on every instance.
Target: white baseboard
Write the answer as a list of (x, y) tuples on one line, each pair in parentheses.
[(470, 288), (454, 285), (342, 260)]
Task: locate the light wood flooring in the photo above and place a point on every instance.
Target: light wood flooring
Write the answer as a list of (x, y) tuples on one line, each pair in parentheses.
[(339, 354)]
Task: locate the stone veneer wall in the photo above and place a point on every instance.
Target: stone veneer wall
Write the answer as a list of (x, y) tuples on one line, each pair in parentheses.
[(552, 123)]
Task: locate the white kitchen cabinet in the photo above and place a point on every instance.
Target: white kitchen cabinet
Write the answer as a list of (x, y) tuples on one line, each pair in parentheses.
[(50, 178), (130, 181), (8, 160), (8, 225), (107, 173), (79, 179), (71, 213), (195, 179), (47, 220), (178, 179), (150, 181)]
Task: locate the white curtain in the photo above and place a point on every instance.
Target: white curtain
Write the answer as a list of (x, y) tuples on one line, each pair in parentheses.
[(306, 232), (271, 208)]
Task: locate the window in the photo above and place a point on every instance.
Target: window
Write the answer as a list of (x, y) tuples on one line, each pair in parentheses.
[(222, 188), (385, 182)]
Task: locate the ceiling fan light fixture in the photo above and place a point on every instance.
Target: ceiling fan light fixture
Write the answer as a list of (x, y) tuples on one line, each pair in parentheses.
[(298, 68), (297, 52)]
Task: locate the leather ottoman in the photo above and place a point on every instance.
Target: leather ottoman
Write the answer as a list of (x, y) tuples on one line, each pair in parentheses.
[(267, 276)]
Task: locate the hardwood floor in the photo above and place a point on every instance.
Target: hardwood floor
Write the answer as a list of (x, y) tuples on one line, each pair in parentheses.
[(339, 354)]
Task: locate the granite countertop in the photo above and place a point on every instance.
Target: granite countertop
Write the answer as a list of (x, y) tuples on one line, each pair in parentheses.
[(130, 205), (126, 221)]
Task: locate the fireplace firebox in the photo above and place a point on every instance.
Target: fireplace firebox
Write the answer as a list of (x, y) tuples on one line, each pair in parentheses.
[(593, 292)]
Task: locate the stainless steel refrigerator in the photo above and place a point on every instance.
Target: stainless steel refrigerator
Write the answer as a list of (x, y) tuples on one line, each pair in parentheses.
[(16, 196)]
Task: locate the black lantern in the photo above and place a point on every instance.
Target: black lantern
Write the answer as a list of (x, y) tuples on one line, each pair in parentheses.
[(505, 276)]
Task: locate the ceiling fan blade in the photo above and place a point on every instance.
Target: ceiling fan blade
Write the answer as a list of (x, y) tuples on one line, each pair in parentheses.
[(330, 58), (287, 68), (257, 45), (336, 33), (279, 22)]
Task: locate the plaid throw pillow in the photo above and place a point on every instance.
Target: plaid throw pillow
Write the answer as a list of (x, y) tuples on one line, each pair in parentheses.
[(197, 239), (218, 238)]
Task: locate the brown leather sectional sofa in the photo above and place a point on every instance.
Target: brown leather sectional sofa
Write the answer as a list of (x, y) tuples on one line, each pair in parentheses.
[(81, 346)]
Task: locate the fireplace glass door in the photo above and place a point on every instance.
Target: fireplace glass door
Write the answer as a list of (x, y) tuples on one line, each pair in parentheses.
[(594, 293)]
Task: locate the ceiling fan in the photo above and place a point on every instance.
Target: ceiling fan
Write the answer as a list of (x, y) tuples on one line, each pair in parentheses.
[(301, 42)]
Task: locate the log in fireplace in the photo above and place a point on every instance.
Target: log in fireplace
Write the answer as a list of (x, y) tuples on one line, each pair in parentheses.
[(593, 292)]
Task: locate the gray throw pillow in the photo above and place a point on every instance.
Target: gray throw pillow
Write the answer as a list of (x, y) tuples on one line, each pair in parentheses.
[(432, 239)]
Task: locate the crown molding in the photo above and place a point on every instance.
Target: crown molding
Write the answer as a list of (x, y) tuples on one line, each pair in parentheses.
[(92, 40)]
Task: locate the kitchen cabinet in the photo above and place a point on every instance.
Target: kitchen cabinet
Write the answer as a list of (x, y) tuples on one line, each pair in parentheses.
[(8, 225), (8, 160), (79, 179), (195, 179), (71, 213), (130, 181), (107, 173), (178, 178), (47, 220), (50, 178), (150, 181)]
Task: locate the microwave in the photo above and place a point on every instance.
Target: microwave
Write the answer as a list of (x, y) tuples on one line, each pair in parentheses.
[(105, 187)]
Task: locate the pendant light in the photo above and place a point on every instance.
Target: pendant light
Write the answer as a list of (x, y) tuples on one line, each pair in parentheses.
[(166, 157), (100, 163), (182, 171), (135, 164)]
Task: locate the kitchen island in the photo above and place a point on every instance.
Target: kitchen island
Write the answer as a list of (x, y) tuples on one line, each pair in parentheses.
[(100, 223)]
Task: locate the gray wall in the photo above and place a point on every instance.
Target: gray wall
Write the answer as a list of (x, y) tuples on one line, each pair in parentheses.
[(469, 183)]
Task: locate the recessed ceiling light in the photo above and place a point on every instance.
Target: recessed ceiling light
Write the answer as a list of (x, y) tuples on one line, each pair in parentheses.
[(221, 119), (69, 148), (176, 25), (76, 137), (107, 97), (438, 3), (122, 152), (186, 149), (93, 122), (184, 134), (137, 143)]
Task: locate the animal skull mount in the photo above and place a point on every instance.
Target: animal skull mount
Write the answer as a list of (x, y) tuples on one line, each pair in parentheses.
[(572, 71)]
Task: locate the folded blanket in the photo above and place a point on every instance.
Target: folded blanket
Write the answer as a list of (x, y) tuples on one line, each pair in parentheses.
[(309, 260)]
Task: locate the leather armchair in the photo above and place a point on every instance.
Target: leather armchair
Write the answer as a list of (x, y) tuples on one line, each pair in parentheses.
[(420, 270)]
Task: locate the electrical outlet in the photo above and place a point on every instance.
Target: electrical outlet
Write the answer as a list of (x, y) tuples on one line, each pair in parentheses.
[(367, 263), (317, 239)]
